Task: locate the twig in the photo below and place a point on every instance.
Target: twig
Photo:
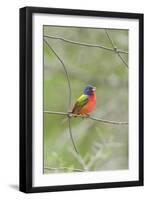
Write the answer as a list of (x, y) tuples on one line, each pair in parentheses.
[(87, 117), (94, 159), (108, 121), (122, 59), (64, 67), (109, 38), (64, 168), (71, 136), (84, 44), (115, 48), (54, 112), (80, 160)]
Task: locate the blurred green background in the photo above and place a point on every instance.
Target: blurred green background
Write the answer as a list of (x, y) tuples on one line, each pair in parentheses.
[(101, 146)]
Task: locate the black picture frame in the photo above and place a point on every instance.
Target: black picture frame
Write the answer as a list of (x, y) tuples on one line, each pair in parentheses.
[(26, 98)]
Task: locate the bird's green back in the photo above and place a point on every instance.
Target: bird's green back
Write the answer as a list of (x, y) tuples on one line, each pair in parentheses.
[(81, 101)]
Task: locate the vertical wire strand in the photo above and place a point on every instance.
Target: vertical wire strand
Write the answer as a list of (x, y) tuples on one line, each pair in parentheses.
[(71, 136), (69, 87)]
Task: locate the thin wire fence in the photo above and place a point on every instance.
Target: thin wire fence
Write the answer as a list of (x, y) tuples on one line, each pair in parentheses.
[(68, 114)]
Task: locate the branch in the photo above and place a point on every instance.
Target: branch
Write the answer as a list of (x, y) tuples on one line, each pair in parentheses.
[(110, 40), (64, 67), (122, 59), (94, 159), (108, 121), (115, 48), (84, 44), (80, 160), (64, 168), (71, 136), (87, 117)]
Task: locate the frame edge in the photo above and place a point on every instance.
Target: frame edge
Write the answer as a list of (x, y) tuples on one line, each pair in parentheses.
[(25, 100), (25, 169)]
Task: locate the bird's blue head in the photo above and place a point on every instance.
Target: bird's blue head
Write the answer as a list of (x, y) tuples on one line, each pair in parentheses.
[(89, 90)]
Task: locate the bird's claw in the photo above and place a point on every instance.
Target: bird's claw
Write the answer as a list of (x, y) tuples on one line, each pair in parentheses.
[(85, 116)]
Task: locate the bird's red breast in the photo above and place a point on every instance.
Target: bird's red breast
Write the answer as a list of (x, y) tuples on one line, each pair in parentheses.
[(89, 107)]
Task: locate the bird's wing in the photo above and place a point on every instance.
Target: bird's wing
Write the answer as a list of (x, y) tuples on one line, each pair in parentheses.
[(81, 101)]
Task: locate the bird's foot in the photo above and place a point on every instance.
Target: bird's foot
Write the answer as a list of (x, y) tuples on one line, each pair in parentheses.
[(85, 116)]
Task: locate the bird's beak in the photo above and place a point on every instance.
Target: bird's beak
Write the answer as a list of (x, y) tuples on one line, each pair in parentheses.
[(94, 89)]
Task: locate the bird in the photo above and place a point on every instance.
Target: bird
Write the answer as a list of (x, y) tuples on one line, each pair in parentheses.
[(86, 103)]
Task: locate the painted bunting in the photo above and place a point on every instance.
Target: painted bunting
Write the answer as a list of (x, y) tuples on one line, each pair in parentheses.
[(86, 103)]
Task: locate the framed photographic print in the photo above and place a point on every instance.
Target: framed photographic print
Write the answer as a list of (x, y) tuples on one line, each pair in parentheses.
[(81, 99)]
